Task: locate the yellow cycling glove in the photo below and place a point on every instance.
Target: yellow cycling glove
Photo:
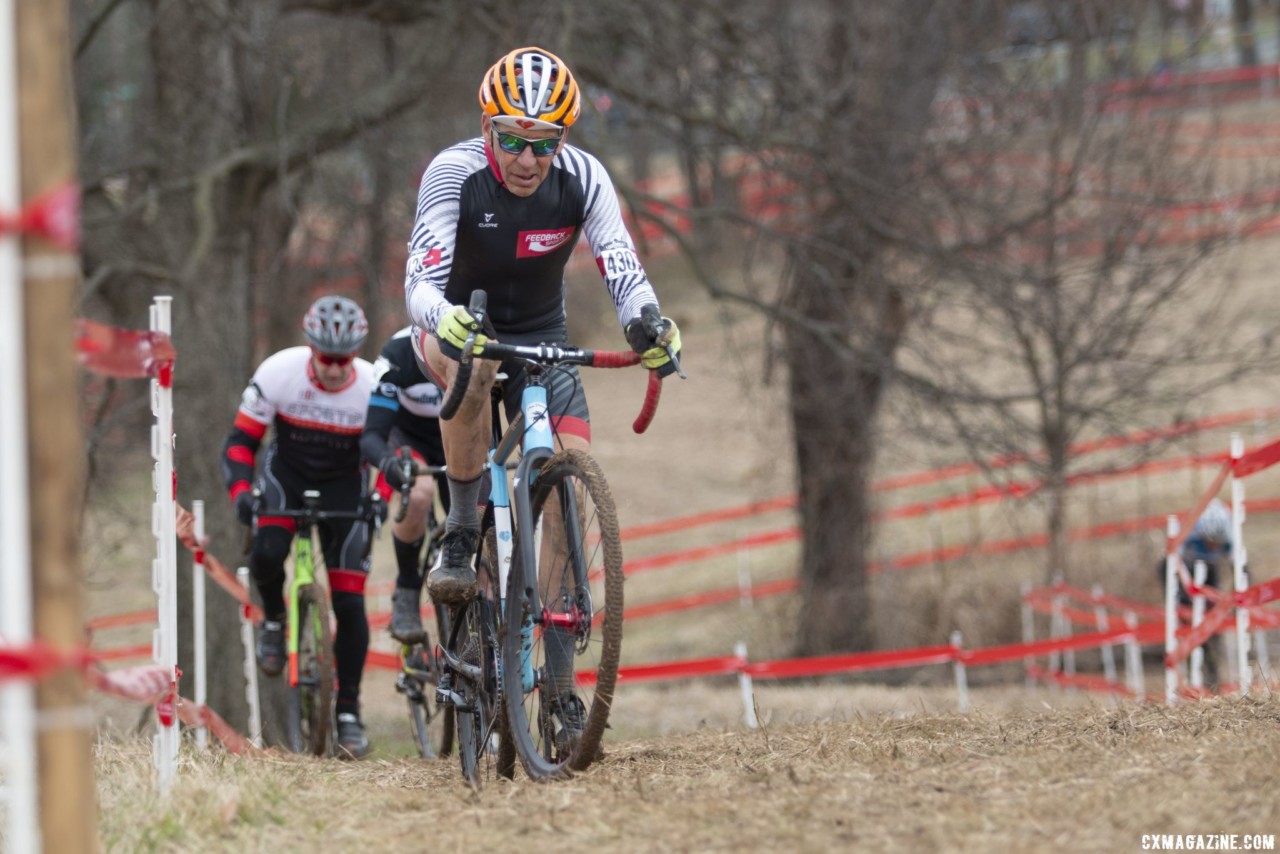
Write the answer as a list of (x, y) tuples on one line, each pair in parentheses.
[(453, 330), (652, 335)]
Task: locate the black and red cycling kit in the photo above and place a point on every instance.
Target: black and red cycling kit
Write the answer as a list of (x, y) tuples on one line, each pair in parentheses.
[(471, 233), (404, 411), (316, 445)]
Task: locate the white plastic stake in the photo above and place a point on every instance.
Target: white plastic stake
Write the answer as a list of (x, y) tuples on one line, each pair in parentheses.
[(747, 689), (1197, 617), (198, 622), (1133, 660), (1104, 624), (250, 666), (962, 675), (1239, 555), (165, 752), (1172, 528)]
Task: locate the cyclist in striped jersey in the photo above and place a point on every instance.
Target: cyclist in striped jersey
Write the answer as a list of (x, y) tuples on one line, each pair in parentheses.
[(502, 213)]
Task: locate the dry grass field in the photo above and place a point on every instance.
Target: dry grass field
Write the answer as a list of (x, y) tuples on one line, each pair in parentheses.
[(868, 764), (1085, 779)]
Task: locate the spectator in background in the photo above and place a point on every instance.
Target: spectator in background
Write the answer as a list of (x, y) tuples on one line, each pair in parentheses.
[(1210, 542)]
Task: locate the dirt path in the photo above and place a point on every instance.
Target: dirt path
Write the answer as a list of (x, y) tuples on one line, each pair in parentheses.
[(1086, 779)]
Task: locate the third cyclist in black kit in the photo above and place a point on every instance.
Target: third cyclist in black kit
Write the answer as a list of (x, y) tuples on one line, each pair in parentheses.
[(502, 213), (404, 412)]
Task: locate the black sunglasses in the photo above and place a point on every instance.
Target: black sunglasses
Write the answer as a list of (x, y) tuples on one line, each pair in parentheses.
[(513, 144)]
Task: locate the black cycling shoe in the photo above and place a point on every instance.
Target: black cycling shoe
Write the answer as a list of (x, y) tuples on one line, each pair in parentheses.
[(406, 616), (270, 651), (453, 579), (564, 718), (352, 741)]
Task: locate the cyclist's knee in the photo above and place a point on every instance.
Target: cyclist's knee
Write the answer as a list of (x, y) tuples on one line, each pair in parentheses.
[(349, 610), (270, 548)]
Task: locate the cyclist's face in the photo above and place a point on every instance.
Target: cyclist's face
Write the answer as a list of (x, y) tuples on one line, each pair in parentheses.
[(335, 374), (522, 173)]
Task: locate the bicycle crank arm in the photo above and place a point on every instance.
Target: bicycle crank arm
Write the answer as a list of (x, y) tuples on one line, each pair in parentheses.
[(457, 665)]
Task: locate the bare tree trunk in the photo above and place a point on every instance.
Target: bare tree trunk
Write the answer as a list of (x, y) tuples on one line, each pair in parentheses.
[(1246, 48)]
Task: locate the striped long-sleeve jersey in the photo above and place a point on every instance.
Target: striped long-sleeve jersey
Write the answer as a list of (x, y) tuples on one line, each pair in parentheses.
[(471, 233)]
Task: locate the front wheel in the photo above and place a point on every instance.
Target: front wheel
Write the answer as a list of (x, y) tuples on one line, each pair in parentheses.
[(563, 630), (311, 675)]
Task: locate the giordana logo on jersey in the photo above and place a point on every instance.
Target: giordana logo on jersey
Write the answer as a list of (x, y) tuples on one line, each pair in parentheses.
[(531, 244)]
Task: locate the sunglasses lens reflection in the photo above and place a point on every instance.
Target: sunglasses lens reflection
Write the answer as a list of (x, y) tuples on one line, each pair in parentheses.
[(513, 144)]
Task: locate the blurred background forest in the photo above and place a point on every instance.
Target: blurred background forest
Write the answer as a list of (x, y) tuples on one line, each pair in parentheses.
[(1007, 225)]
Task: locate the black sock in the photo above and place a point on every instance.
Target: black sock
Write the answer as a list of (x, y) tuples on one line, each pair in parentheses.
[(409, 573), (463, 495)]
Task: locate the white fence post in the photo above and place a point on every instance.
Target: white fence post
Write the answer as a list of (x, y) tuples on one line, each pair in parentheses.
[(1197, 617), (962, 675), (1239, 555), (165, 577), (747, 688), (1172, 528), (198, 622), (1133, 660), (250, 665), (1104, 624)]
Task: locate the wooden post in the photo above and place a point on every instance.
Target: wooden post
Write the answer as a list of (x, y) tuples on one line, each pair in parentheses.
[(47, 145)]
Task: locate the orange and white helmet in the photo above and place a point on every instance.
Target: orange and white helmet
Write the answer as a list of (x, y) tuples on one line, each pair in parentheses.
[(530, 88)]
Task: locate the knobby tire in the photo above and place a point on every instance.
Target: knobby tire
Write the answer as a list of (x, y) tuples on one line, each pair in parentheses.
[(311, 701), (602, 554)]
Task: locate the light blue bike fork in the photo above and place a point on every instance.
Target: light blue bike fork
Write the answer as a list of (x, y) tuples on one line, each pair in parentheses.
[(537, 444)]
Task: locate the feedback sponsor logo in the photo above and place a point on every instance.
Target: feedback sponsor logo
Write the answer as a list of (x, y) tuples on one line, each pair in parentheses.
[(531, 244)]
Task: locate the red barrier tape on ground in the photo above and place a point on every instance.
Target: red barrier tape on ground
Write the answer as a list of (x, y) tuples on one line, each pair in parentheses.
[(1079, 680), (195, 715), (123, 353), (382, 660)]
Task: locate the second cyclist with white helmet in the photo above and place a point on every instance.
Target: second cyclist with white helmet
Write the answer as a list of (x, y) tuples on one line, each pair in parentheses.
[(313, 398)]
